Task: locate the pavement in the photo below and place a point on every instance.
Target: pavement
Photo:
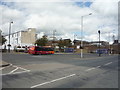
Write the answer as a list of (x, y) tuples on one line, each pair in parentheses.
[(3, 63)]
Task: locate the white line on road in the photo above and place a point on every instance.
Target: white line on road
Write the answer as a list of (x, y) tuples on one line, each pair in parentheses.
[(13, 70), (16, 68), (89, 69), (20, 72), (108, 63), (5, 67), (2, 68), (52, 81), (14, 73), (22, 68), (98, 66)]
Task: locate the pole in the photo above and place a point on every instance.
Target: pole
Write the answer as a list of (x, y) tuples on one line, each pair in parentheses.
[(99, 44), (109, 44), (9, 37), (113, 51), (74, 38), (81, 46), (54, 37)]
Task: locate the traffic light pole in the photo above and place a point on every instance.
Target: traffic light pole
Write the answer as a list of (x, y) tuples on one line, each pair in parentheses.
[(99, 44)]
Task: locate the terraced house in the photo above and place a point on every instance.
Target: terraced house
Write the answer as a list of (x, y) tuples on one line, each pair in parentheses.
[(21, 38)]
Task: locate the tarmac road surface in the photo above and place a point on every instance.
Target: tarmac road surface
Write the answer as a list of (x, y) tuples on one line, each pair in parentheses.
[(60, 71)]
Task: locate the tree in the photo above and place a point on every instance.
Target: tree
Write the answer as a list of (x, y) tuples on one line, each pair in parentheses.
[(62, 43), (2, 39), (42, 41), (67, 42)]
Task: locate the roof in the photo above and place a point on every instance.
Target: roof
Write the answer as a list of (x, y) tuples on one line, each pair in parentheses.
[(19, 31)]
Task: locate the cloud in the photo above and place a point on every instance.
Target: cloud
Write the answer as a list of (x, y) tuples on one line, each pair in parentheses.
[(62, 16)]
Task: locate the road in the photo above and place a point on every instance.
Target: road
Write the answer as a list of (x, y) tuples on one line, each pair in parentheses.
[(60, 71)]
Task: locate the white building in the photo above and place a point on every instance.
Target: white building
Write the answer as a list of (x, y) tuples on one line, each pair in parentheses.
[(21, 38)]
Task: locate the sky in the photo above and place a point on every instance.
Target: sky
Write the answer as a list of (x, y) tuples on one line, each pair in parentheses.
[(64, 16)]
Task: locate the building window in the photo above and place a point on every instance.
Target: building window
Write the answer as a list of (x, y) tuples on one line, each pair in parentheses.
[(17, 40), (17, 34), (12, 35)]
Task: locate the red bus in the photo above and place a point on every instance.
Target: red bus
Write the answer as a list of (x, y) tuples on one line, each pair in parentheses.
[(40, 50)]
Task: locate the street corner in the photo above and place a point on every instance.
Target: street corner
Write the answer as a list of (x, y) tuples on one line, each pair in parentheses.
[(10, 69), (4, 64)]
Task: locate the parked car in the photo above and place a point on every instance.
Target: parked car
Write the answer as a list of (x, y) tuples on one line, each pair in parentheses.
[(20, 49)]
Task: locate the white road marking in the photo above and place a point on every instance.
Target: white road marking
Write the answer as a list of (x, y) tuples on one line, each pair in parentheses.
[(14, 73), (108, 63), (21, 68), (20, 72), (98, 66), (2, 68), (13, 70), (89, 69), (52, 81), (16, 68), (5, 67)]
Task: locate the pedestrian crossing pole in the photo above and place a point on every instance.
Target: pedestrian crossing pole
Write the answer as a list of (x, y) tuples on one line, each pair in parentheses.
[(99, 43)]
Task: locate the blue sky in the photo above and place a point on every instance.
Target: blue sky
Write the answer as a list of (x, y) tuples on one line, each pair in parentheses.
[(83, 4), (80, 4), (9, 4)]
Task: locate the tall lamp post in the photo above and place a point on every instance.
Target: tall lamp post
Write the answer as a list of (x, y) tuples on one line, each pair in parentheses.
[(81, 45), (0, 31), (99, 43), (74, 38), (9, 36), (54, 31)]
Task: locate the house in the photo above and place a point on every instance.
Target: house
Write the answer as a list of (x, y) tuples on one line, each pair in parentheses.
[(115, 47), (21, 38)]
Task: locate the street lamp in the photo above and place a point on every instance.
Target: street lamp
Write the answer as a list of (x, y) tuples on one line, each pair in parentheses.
[(81, 46), (9, 36), (54, 31), (99, 44), (0, 33), (74, 38)]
